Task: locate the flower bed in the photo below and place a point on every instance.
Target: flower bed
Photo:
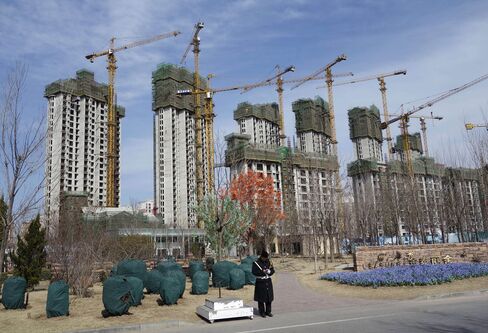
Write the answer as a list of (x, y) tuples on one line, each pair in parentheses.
[(409, 275)]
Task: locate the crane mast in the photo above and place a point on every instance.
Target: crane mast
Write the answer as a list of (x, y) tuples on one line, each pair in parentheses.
[(195, 42), (330, 97), (386, 116), (209, 135), (111, 105), (111, 126), (382, 83)]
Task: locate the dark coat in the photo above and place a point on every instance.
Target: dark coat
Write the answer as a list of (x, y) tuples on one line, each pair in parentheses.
[(263, 291)]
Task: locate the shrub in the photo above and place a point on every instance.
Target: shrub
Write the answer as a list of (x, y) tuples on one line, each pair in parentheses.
[(409, 275), (46, 274), (3, 277)]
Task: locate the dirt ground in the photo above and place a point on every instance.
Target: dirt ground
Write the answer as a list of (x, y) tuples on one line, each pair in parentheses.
[(304, 269), (85, 312)]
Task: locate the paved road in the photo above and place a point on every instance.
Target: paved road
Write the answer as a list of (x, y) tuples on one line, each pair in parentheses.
[(291, 296), (299, 309), (453, 314)]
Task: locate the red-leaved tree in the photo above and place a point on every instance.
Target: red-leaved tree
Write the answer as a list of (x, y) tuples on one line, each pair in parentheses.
[(256, 190)]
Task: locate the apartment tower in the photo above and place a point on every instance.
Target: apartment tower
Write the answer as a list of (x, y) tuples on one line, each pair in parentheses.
[(174, 147), (77, 141)]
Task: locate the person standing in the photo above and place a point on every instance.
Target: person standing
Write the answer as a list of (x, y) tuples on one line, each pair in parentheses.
[(263, 291)]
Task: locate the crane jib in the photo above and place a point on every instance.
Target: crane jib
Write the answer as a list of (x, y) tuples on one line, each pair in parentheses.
[(435, 100)]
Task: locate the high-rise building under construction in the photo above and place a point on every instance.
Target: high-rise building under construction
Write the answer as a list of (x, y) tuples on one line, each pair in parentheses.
[(174, 147), (303, 174), (390, 203), (76, 143)]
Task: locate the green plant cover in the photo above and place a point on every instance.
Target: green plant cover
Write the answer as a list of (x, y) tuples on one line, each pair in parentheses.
[(237, 279), (250, 277), (220, 273), (199, 283), (136, 290), (13, 292), (153, 281), (166, 266), (195, 266), (116, 295), (57, 304), (132, 267), (169, 290), (180, 277)]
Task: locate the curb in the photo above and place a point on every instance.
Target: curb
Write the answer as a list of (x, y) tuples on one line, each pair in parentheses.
[(454, 294), (139, 328)]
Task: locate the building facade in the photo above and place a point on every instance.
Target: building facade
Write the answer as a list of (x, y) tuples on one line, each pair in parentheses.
[(146, 207), (304, 174), (174, 147), (425, 206), (77, 117)]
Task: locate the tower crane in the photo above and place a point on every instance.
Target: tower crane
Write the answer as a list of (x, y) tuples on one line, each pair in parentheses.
[(404, 117), (381, 80), (279, 89), (423, 127), (209, 137), (327, 70), (195, 42), (278, 80), (470, 126), (209, 114), (111, 124), (328, 80)]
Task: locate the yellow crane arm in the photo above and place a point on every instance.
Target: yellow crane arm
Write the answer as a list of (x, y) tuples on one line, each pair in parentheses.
[(270, 80), (199, 26), (435, 100), (322, 77), (92, 56), (371, 77), (248, 86), (420, 117), (320, 71)]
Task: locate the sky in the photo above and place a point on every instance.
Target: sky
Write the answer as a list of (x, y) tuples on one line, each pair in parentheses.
[(441, 43)]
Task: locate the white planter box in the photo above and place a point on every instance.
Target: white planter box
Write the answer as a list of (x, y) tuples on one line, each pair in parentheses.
[(224, 308)]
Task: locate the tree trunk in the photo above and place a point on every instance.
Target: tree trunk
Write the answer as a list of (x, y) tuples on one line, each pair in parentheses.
[(331, 247), (324, 244), (2, 248)]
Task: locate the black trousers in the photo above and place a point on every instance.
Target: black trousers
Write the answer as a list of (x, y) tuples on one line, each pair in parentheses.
[(261, 307)]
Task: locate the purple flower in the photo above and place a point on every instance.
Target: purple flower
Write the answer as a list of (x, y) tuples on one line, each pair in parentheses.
[(409, 275)]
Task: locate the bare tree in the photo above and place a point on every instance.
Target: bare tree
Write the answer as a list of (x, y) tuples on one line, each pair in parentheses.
[(21, 147)]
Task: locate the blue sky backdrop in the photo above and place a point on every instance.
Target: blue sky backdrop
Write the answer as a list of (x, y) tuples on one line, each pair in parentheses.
[(442, 44)]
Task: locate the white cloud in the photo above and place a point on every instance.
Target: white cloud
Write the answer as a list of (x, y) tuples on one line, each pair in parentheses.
[(242, 42)]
